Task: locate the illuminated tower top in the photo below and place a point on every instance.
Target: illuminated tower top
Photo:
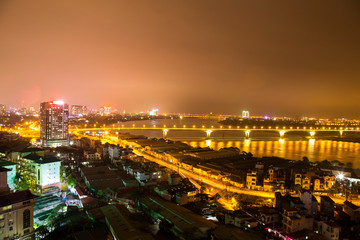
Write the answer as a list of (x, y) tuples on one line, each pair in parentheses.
[(245, 114)]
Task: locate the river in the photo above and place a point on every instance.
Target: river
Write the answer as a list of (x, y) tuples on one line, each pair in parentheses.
[(260, 144)]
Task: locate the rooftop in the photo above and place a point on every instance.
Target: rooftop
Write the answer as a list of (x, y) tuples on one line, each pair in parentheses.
[(42, 160), (181, 217), (12, 198), (327, 199), (4, 163), (351, 205)]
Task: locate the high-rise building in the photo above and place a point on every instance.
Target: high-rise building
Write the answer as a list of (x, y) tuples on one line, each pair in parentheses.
[(2, 110), (78, 110), (54, 121), (105, 111), (245, 114)]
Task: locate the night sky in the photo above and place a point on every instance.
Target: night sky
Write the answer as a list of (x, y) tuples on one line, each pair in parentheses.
[(281, 58)]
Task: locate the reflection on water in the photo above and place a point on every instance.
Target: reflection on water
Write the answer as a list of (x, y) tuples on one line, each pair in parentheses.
[(264, 145), (315, 150)]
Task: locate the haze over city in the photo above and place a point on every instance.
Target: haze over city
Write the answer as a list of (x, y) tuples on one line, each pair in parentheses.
[(277, 58)]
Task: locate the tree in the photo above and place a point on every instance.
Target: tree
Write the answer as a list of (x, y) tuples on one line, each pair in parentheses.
[(41, 232), (100, 193), (22, 184), (305, 160), (71, 181)]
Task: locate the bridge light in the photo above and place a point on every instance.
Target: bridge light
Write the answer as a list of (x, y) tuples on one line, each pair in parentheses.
[(221, 127), (165, 131), (297, 127), (194, 126), (254, 127), (208, 132), (229, 126), (184, 126), (133, 125), (291, 127), (246, 127), (304, 127), (164, 126), (269, 127), (212, 126), (154, 125), (282, 133), (174, 126), (284, 127), (277, 127), (312, 134), (203, 126), (262, 127)]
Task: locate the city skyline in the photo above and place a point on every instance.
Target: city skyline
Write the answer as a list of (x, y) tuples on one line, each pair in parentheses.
[(284, 58)]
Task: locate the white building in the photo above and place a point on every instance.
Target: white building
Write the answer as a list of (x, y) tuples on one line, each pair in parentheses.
[(45, 171)]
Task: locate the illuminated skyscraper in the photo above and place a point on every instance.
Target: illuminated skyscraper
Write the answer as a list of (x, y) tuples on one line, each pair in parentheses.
[(245, 114), (105, 111), (2, 109), (78, 110), (54, 121)]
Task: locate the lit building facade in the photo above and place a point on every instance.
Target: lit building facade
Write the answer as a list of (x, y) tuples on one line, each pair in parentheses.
[(54, 121), (78, 110), (41, 172), (245, 114), (16, 212), (105, 111), (2, 110)]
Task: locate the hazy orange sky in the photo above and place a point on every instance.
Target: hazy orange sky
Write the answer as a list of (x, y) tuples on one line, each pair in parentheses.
[(270, 57)]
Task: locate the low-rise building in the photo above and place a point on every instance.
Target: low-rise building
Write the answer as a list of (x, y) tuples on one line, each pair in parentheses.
[(269, 216), (43, 172), (180, 221), (16, 211), (294, 220), (10, 174), (352, 210), (101, 178), (92, 155), (306, 183), (330, 230), (310, 202), (120, 225), (251, 180), (327, 206)]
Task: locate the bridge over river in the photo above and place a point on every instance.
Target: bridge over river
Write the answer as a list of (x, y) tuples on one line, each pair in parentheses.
[(311, 131)]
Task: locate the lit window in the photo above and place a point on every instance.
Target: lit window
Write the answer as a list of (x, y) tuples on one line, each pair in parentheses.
[(7, 208)]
